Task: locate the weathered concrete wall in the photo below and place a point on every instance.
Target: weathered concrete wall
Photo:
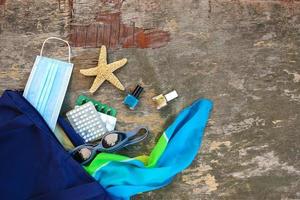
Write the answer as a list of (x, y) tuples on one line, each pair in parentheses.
[(244, 55)]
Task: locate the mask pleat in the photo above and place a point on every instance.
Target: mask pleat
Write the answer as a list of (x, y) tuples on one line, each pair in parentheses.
[(47, 90), (66, 70), (36, 82), (43, 87)]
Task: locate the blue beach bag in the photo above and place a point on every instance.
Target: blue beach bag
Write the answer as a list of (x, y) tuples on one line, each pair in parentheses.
[(34, 165)]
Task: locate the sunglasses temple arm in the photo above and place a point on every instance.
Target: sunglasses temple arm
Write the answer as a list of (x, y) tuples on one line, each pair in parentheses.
[(136, 131), (137, 139)]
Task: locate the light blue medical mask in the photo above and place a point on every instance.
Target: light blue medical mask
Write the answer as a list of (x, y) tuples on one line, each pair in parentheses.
[(47, 85)]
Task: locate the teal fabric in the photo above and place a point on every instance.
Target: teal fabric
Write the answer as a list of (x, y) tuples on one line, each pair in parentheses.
[(124, 177)]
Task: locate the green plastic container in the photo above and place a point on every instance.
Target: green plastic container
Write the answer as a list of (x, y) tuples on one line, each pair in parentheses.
[(100, 107)]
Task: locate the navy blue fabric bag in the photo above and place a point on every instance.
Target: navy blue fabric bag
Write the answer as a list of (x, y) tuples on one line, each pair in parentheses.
[(34, 165)]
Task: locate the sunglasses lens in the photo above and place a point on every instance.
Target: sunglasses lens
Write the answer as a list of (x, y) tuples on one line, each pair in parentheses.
[(110, 140), (82, 155)]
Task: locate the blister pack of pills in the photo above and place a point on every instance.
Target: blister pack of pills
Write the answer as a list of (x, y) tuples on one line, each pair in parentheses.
[(87, 122)]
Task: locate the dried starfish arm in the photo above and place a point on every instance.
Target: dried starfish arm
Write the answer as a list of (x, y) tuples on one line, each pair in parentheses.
[(115, 81), (90, 72), (116, 65), (96, 84), (104, 71), (103, 55)]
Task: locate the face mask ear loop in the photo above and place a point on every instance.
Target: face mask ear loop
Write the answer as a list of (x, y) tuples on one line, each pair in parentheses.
[(56, 38)]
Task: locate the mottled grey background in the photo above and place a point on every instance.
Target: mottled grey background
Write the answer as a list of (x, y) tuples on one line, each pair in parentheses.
[(244, 55)]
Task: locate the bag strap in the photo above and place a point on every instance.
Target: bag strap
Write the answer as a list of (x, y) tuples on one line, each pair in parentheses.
[(56, 38)]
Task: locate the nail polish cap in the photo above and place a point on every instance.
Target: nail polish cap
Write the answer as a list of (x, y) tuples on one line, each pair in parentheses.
[(137, 91), (171, 95)]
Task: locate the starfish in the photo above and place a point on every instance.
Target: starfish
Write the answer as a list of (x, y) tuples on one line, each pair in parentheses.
[(104, 71)]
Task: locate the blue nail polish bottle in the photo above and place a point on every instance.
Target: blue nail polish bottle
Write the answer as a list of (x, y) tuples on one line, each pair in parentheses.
[(132, 100)]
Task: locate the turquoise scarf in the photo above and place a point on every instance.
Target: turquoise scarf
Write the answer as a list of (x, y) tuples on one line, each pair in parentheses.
[(124, 177)]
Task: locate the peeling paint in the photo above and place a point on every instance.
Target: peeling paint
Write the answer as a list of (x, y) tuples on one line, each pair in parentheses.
[(172, 25), (263, 44), (198, 171), (277, 123), (245, 151), (109, 30), (263, 164), (210, 183), (296, 78), (236, 81), (217, 145), (292, 94), (238, 127), (199, 176)]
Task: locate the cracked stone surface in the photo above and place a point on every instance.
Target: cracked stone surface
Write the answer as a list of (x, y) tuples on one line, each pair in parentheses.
[(242, 54)]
